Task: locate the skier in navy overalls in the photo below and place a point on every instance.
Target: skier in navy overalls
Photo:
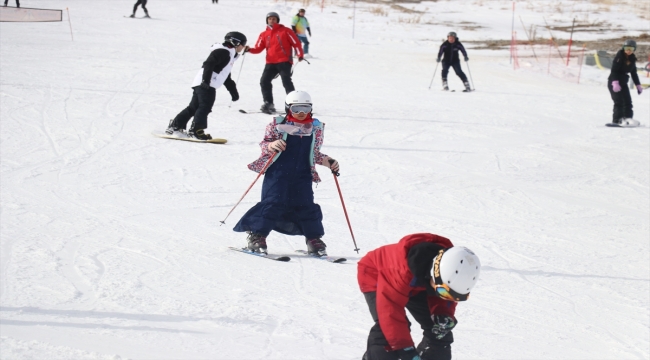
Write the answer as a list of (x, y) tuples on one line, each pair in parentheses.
[(287, 205)]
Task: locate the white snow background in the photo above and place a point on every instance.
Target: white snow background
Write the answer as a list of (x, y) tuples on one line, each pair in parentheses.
[(111, 244)]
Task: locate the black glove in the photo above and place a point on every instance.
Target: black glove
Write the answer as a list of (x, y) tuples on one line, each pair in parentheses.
[(466, 59), (205, 85), (247, 49), (234, 95), (442, 324), (408, 353), (301, 58), (309, 31), (438, 60)]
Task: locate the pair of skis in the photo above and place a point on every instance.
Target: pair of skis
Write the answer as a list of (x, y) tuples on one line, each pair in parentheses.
[(284, 258)]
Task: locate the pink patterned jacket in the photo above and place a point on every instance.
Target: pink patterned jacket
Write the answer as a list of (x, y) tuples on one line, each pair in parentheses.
[(271, 134)]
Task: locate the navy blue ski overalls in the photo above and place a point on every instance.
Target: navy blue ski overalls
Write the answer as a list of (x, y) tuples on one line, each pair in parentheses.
[(287, 204)]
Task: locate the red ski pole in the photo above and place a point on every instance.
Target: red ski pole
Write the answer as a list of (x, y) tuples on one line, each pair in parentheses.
[(347, 218), (247, 190)]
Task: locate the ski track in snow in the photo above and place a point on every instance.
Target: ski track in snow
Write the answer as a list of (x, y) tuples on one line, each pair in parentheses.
[(110, 242)]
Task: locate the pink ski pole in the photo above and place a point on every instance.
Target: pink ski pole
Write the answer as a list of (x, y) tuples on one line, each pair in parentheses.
[(347, 218), (247, 190)]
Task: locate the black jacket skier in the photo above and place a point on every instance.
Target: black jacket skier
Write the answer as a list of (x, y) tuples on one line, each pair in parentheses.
[(449, 49), (624, 63)]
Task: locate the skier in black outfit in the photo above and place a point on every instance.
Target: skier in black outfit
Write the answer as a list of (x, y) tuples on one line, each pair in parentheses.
[(624, 62), (214, 73), (17, 3), (144, 4), (450, 49)]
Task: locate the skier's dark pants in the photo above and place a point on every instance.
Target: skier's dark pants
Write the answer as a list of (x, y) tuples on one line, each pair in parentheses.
[(270, 72), (457, 70), (287, 204), (17, 3), (200, 106), (143, 3), (418, 307), (622, 102)]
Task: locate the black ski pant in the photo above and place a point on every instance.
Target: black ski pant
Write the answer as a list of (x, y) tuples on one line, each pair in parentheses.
[(143, 3), (622, 102), (419, 309), (457, 69), (17, 3), (270, 72), (200, 106)]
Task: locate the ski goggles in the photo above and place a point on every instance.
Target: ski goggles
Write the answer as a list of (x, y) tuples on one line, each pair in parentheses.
[(300, 108), (629, 48), (443, 290)]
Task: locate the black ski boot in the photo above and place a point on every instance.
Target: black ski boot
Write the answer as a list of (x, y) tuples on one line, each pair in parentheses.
[(445, 86), (171, 129), (467, 87), (316, 247), (198, 134), (146, 14), (256, 243), (268, 108)]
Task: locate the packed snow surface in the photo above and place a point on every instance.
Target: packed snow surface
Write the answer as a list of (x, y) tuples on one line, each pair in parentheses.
[(111, 246)]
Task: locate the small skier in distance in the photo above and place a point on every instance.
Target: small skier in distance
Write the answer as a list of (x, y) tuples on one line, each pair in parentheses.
[(448, 53), (624, 63)]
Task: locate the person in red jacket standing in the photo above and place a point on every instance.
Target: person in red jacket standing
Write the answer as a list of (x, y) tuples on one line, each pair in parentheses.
[(279, 43), (426, 275)]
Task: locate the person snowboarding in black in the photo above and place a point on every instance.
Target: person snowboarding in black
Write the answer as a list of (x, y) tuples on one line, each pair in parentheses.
[(214, 73), (17, 3), (449, 49), (135, 7), (624, 63)]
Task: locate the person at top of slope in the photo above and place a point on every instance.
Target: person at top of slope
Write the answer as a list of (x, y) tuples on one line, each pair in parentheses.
[(448, 54), (300, 26), (279, 43), (214, 73), (292, 142), (426, 275), (624, 63)]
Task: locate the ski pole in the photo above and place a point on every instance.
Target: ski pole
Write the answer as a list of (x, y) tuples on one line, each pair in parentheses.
[(336, 173), (470, 75), (243, 57), (434, 75), (247, 190)]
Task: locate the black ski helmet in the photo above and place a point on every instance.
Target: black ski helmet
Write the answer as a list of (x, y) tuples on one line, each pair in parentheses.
[(451, 33), (235, 38), (274, 14), (631, 43)]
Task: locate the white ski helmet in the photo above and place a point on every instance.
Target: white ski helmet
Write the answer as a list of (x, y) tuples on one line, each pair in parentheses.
[(458, 269), (296, 97)]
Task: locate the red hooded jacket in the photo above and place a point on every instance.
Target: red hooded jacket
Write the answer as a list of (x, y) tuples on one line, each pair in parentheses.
[(278, 42), (386, 271)]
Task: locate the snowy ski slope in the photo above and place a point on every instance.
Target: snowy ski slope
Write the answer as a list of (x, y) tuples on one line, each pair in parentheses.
[(110, 240)]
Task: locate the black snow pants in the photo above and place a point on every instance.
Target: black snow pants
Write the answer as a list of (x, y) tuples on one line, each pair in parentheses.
[(270, 72), (17, 3), (622, 102), (457, 69), (419, 308), (200, 106), (143, 3)]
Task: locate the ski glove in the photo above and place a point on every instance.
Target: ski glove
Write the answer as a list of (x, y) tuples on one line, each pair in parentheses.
[(205, 85), (639, 89), (466, 59), (408, 353), (438, 60), (442, 324), (332, 164), (277, 145), (616, 86), (309, 31)]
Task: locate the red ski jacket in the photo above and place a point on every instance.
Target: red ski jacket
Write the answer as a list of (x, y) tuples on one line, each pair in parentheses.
[(386, 271), (278, 43)]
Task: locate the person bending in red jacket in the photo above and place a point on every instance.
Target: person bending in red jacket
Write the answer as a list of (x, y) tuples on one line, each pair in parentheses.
[(279, 43), (426, 275)]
